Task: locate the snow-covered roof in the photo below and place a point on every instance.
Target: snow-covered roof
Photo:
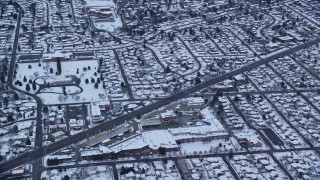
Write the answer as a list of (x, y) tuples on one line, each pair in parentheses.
[(159, 138), (90, 152), (169, 113), (56, 54), (95, 110), (150, 122), (192, 101), (61, 156), (152, 139), (210, 117)]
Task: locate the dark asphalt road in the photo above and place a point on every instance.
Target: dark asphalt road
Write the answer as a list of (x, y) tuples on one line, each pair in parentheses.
[(283, 169), (223, 155), (192, 54), (220, 49), (260, 92), (156, 57), (262, 31), (124, 75), (280, 112), (40, 151), (264, 138), (38, 138), (233, 172), (10, 80)]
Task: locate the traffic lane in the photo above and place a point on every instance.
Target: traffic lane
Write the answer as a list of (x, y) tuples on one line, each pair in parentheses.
[(73, 139)]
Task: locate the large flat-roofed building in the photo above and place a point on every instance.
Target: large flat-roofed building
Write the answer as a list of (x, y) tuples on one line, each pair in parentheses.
[(151, 122), (168, 116), (195, 102), (149, 140), (201, 133), (211, 118)]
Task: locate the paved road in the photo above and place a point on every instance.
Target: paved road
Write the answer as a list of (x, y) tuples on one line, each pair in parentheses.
[(308, 4), (115, 172), (72, 9), (194, 57), (124, 75), (262, 30), (260, 92), (250, 125), (179, 168), (283, 169), (281, 114), (313, 73), (233, 172), (156, 57), (303, 15), (41, 151), (220, 49), (19, 121), (38, 138), (48, 13), (177, 158)]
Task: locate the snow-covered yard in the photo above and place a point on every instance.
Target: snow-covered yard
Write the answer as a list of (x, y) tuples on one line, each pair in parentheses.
[(69, 68), (113, 22), (218, 145), (95, 172)]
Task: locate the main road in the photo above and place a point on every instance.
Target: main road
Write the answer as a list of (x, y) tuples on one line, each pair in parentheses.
[(10, 80), (42, 151), (124, 76), (38, 138)]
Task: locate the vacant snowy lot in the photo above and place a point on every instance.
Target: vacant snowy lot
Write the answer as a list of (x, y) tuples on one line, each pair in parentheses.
[(77, 89)]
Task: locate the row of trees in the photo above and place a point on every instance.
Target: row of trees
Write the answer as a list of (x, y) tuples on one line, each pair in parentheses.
[(3, 69), (34, 86)]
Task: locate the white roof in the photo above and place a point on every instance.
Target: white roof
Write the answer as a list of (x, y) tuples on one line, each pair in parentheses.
[(61, 156), (159, 138), (195, 100), (168, 113), (95, 110), (152, 139), (211, 118), (17, 171), (90, 152), (57, 54)]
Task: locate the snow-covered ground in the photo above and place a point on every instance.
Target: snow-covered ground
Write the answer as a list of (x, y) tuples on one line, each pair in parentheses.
[(152, 170), (115, 20), (257, 166), (206, 168), (212, 146), (95, 172), (90, 93), (109, 26), (300, 161)]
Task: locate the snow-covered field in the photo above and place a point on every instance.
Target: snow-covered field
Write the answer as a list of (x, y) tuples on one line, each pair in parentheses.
[(59, 90), (205, 147), (90, 93), (110, 26)]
